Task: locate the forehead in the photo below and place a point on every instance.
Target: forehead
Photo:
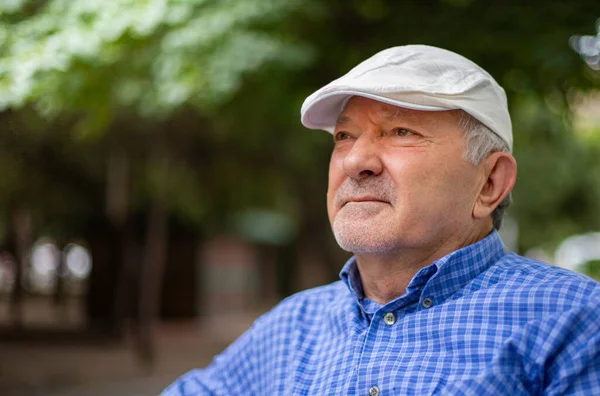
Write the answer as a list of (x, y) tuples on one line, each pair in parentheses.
[(359, 107)]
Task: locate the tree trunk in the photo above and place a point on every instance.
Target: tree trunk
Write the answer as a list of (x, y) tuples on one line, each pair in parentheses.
[(153, 263), (21, 229), (118, 211)]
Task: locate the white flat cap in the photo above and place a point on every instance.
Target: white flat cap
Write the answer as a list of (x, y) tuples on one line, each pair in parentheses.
[(417, 77)]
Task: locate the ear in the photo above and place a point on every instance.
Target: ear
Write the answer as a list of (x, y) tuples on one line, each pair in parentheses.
[(500, 174)]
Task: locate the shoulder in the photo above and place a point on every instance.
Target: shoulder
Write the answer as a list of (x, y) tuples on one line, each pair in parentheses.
[(530, 270), (542, 282), (307, 306), (306, 309)]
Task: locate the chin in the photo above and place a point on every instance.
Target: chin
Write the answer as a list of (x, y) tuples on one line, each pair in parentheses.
[(359, 241)]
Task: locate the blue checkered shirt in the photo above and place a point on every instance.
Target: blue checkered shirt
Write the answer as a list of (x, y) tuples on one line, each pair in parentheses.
[(478, 321)]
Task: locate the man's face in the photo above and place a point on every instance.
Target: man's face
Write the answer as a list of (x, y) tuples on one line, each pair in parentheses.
[(398, 179)]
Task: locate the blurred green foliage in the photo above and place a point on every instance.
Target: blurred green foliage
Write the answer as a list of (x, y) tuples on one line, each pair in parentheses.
[(216, 87), (146, 56), (592, 268)]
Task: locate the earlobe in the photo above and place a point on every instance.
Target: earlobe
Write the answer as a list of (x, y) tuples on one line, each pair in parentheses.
[(500, 172)]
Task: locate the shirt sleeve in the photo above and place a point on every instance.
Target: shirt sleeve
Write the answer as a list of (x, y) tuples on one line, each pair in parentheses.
[(559, 355), (574, 369), (231, 373)]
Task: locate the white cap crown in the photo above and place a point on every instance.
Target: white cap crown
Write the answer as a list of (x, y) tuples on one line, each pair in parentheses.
[(417, 77)]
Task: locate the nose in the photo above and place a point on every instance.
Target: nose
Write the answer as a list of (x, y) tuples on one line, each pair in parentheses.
[(363, 159)]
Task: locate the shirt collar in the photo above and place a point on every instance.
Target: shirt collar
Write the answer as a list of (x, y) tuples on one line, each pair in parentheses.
[(443, 277)]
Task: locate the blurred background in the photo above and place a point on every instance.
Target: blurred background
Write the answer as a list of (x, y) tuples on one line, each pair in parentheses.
[(158, 192)]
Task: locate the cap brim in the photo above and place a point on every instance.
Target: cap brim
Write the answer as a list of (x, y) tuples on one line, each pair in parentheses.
[(322, 111)]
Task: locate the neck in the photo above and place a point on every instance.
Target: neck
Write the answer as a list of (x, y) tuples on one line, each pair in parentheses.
[(385, 276)]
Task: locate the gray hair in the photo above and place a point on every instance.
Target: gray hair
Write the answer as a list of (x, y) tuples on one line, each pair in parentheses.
[(481, 142)]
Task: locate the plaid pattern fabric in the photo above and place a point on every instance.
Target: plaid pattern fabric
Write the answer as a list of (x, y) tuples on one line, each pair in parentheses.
[(478, 321)]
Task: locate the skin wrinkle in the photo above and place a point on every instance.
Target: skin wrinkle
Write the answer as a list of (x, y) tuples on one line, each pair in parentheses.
[(422, 192), (378, 187)]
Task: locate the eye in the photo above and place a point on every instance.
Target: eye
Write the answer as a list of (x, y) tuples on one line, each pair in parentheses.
[(402, 132), (341, 136)]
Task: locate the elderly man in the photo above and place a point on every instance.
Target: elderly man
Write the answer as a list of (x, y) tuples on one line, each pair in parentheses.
[(420, 175)]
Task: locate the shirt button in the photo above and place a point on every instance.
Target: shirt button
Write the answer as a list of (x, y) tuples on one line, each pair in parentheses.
[(427, 302), (374, 391), (389, 318)]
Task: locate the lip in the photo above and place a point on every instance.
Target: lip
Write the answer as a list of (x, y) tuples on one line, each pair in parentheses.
[(365, 198)]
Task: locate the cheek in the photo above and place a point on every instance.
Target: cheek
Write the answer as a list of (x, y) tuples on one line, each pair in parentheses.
[(452, 187), (409, 172), (431, 181), (336, 178)]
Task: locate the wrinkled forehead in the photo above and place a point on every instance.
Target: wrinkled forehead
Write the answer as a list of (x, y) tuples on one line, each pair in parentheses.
[(358, 106)]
